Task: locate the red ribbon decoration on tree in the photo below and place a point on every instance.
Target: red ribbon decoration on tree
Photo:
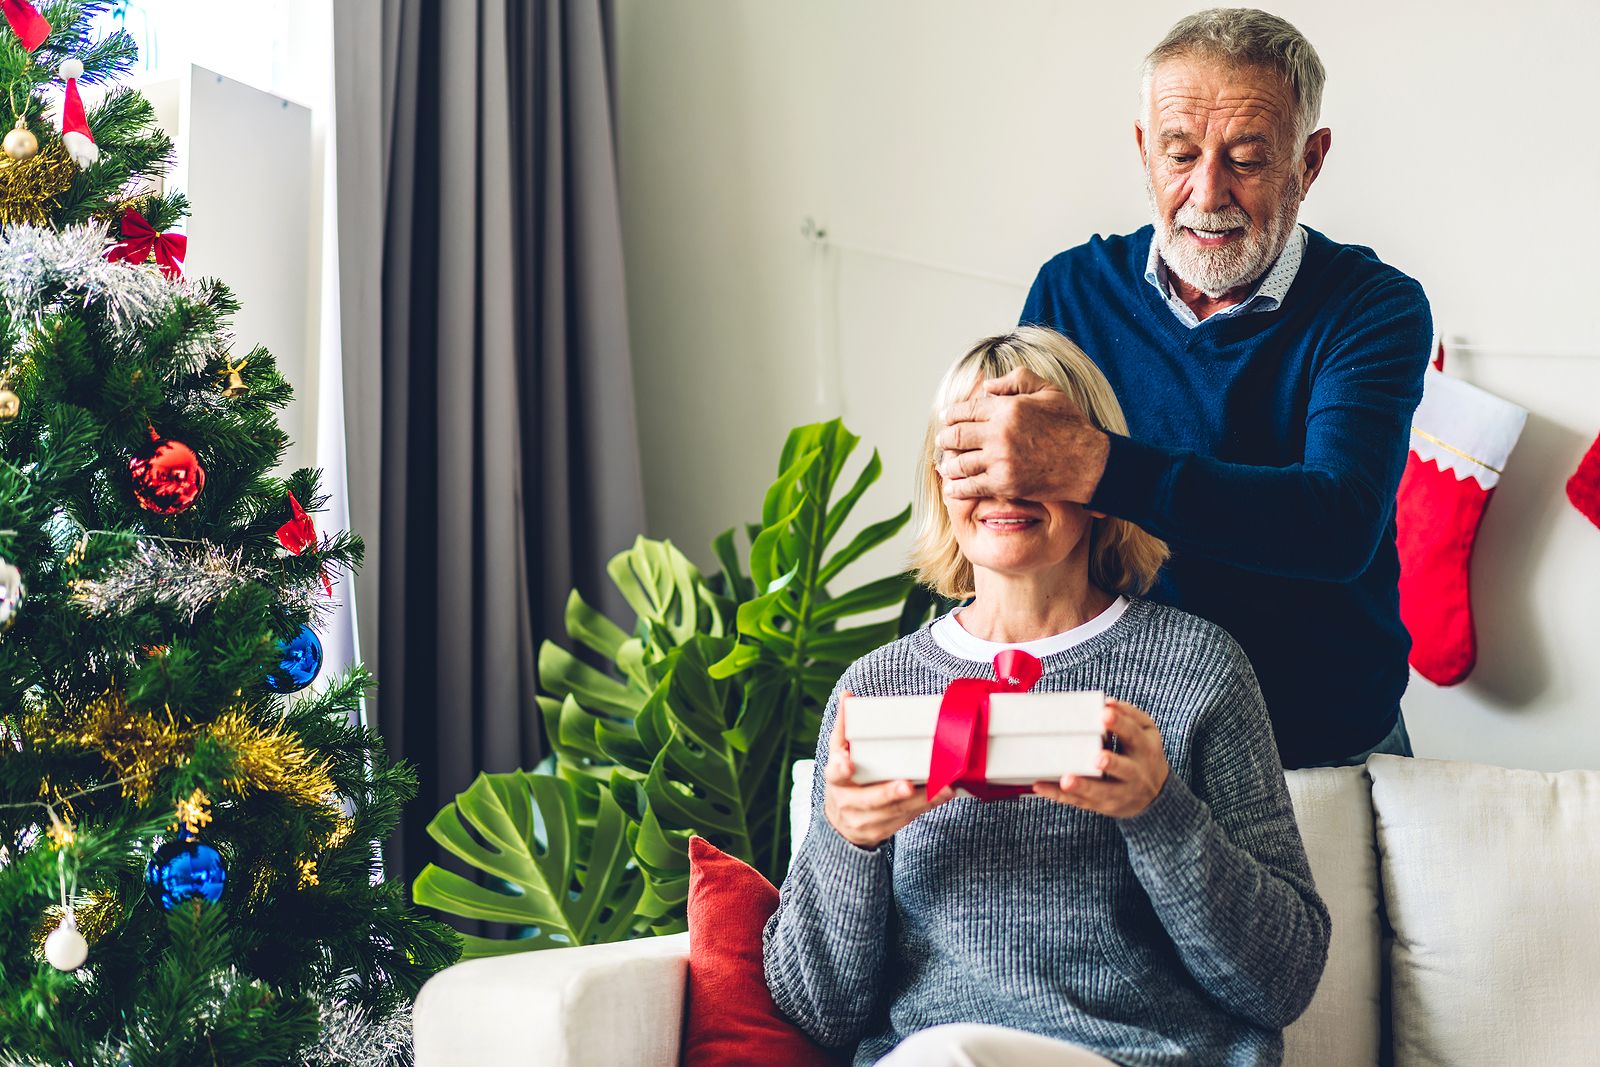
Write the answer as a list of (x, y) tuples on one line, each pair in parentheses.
[(961, 736), (140, 239), (31, 27), (298, 534)]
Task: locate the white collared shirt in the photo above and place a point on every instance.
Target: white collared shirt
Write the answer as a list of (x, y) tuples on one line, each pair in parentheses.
[(1268, 294)]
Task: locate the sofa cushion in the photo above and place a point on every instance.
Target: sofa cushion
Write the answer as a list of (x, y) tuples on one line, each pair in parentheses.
[(731, 1020), (1342, 1027), (1490, 877)]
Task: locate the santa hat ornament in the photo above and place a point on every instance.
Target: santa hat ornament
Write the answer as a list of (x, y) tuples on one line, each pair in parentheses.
[(1461, 437), (75, 135), (30, 27)]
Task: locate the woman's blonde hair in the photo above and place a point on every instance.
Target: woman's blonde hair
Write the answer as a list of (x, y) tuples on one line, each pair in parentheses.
[(1122, 557)]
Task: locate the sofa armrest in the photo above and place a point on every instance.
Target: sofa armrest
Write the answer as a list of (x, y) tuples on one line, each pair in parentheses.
[(595, 1006)]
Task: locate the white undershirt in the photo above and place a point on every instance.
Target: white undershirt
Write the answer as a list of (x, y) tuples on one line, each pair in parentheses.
[(954, 639)]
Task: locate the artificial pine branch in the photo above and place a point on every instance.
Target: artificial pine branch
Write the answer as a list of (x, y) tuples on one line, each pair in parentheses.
[(118, 702)]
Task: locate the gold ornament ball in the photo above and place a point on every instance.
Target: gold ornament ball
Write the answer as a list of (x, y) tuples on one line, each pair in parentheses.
[(10, 404), (20, 144)]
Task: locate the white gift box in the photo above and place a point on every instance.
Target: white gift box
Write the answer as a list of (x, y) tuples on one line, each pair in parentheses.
[(1032, 736)]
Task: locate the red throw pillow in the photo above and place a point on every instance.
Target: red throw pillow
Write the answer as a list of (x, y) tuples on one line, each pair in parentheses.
[(732, 1021)]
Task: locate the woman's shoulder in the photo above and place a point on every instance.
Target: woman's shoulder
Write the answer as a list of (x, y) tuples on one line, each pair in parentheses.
[(1180, 637), (890, 669)]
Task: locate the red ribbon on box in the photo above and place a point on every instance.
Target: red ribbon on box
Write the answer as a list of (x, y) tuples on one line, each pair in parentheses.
[(298, 534), (961, 736), (140, 239)]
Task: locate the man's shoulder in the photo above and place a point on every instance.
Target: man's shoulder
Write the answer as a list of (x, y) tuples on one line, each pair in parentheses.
[(1101, 252), (1357, 268)]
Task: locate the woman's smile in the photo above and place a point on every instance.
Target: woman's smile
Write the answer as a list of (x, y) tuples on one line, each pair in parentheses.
[(1008, 521)]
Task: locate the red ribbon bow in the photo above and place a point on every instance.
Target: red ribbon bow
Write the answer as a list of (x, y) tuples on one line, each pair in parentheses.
[(140, 239), (961, 736), (30, 26), (298, 534)]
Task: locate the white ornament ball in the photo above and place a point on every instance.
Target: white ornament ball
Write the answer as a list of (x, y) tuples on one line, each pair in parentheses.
[(11, 593), (72, 68), (65, 948)]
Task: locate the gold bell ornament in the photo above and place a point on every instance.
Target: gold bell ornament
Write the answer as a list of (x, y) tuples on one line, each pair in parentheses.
[(19, 142), (10, 404), (235, 384)]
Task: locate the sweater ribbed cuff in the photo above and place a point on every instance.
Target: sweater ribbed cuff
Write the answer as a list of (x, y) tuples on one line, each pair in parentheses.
[(1135, 475), (839, 864), (1170, 829)]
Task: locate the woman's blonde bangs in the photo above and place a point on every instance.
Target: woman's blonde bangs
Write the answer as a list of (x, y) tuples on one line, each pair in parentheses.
[(1123, 558)]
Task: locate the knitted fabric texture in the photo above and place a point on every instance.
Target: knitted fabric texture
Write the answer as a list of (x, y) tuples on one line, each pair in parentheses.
[(1266, 450), (1188, 934)]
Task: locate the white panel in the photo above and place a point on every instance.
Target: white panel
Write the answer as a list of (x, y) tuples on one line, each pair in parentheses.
[(246, 165)]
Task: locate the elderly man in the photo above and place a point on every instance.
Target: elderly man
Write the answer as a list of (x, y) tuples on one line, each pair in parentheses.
[(1268, 373)]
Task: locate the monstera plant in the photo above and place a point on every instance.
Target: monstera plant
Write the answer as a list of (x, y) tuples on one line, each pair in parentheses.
[(709, 698)]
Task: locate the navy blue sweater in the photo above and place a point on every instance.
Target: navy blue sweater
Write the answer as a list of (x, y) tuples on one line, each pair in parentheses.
[(1266, 449)]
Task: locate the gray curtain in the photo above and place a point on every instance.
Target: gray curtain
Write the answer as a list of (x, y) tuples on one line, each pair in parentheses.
[(494, 461)]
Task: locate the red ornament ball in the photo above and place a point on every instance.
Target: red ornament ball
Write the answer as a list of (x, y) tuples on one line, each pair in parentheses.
[(167, 476)]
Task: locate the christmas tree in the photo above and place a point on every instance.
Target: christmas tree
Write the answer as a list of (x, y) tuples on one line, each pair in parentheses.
[(188, 826)]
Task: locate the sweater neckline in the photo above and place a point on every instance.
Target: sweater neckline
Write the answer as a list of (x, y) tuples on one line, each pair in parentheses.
[(937, 658)]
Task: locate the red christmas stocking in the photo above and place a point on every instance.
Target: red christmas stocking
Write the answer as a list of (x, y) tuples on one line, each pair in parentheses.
[(1461, 437), (1583, 488)]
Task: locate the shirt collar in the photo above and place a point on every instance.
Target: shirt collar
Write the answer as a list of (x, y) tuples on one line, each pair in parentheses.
[(1267, 296)]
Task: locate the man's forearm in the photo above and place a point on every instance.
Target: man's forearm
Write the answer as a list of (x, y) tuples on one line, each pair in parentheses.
[(1296, 521)]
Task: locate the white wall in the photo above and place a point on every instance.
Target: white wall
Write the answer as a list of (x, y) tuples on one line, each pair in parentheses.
[(986, 137)]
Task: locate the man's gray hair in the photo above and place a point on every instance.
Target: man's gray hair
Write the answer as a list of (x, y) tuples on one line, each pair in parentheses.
[(1245, 37)]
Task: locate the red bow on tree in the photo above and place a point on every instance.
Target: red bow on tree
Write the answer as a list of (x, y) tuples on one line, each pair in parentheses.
[(961, 736), (30, 26), (298, 534), (139, 239)]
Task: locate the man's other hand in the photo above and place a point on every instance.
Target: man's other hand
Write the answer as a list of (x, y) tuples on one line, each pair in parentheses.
[(1022, 438)]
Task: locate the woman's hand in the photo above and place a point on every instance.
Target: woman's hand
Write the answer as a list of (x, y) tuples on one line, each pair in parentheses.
[(1133, 776), (868, 815)]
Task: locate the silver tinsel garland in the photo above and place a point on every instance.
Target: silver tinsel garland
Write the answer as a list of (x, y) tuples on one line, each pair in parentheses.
[(40, 265), (155, 574), (354, 1037), (185, 576), (350, 1036)]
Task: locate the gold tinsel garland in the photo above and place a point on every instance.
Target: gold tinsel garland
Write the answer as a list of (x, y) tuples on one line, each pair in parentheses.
[(30, 187), (96, 914), (137, 745), (270, 760), (134, 744)]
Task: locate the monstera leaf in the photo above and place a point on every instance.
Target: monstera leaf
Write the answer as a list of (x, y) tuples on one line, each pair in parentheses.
[(796, 634), (686, 724), (571, 883)]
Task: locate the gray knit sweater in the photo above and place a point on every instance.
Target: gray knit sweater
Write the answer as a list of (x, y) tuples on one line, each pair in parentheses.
[(1188, 934)]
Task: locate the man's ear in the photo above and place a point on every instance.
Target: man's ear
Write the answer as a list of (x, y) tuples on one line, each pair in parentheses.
[(1138, 139), (1312, 157)]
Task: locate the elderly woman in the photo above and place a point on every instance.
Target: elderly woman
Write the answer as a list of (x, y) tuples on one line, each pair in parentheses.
[(1161, 913)]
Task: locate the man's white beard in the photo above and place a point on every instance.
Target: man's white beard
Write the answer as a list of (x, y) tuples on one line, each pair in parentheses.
[(1215, 271)]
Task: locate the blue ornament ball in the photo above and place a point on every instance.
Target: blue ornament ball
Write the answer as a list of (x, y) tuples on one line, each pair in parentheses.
[(301, 659), (185, 869)]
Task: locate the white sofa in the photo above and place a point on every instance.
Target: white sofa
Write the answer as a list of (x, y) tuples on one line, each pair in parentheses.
[(1466, 908)]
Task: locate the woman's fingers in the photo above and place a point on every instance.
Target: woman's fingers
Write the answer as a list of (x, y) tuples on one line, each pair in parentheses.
[(839, 768), (1136, 732)]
